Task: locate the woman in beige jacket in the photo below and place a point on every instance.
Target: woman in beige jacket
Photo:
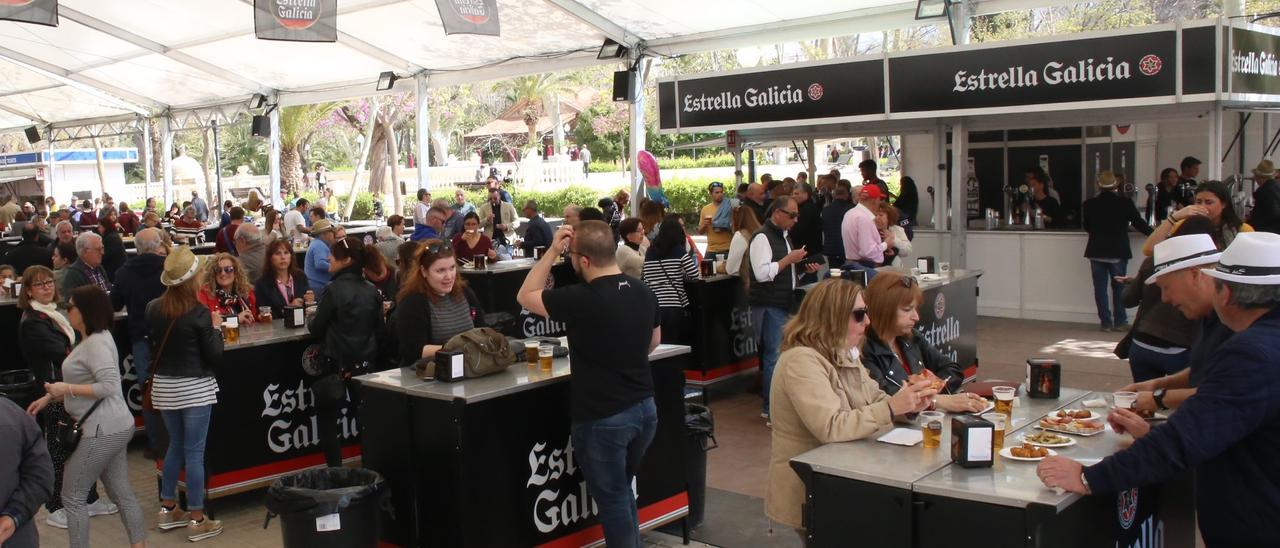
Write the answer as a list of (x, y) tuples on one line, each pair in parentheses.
[(821, 392)]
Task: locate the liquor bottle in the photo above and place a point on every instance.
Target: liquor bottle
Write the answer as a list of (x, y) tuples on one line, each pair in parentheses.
[(971, 192)]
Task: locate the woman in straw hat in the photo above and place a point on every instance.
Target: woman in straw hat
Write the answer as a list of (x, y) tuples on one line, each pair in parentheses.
[(184, 389)]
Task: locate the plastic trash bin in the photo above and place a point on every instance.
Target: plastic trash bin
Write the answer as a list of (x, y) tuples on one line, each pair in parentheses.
[(327, 507), (20, 385), (700, 431)]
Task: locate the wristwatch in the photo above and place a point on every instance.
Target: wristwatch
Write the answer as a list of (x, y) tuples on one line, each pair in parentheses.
[(1158, 396)]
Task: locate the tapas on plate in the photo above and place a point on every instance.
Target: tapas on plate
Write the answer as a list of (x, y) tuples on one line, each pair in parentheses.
[(1027, 452), (1045, 438)]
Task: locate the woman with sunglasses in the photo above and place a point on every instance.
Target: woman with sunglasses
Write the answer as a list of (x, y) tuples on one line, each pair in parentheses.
[(227, 290), (46, 336), (91, 393), (348, 321), (282, 283), (822, 394), (895, 349), (434, 304)]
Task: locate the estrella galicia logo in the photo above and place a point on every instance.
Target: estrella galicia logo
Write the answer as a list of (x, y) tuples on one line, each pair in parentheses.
[(296, 14), (1127, 507), (1150, 65), (940, 306), (815, 91), (474, 11)]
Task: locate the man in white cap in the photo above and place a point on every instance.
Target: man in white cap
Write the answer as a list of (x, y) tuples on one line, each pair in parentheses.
[(1265, 216), (1229, 432), (1106, 217)]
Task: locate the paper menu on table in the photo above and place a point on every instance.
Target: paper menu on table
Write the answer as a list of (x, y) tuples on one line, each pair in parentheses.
[(902, 436)]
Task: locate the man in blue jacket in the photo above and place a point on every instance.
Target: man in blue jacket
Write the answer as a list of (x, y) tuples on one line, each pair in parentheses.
[(1229, 431), (26, 476)]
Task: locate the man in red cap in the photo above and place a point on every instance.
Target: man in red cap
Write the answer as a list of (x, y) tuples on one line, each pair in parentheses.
[(863, 245)]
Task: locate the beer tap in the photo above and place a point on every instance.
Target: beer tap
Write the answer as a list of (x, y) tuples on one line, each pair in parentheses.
[(1151, 204)]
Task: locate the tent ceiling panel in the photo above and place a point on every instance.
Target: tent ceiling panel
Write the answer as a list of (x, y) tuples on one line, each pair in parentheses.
[(14, 78), (167, 81), (170, 22), (70, 45), (654, 19), (290, 65), (525, 31), (62, 103), (11, 120)]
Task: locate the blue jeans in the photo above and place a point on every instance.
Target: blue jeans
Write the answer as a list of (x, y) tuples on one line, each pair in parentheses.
[(609, 451), (1148, 364), (768, 322), (142, 370), (188, 431), (1110, 314)]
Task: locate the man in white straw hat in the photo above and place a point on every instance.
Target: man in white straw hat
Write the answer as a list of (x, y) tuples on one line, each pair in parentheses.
[(1265, 216), (1106, 217), (1229, 432)]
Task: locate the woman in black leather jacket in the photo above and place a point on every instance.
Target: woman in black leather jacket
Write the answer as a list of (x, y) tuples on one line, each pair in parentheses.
[(348, 321), (894, 349)]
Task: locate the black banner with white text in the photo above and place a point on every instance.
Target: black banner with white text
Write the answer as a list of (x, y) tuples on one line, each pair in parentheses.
[(40, 12), (296, 20), (469, 17)]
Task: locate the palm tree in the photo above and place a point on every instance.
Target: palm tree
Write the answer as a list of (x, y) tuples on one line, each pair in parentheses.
[(296, 125), (533, 91)]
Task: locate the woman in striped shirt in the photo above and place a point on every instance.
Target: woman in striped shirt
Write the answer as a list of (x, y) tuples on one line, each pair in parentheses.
[(184, 388), (667, 265)]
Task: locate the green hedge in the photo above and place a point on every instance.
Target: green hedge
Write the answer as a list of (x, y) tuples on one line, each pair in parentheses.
[(687, 196), (363, 211), (720, 160)]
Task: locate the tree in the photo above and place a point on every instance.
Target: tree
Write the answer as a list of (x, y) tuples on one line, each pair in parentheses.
[(297, 123), (531, 92)]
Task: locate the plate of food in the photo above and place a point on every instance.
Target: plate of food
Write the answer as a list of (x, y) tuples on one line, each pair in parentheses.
[(1045, 438), (1077, 414), (1027, 452), (1066, 425)]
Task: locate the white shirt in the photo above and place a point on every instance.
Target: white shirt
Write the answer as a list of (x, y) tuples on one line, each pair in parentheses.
[(901, 242), (420, 214), (292, 220), (762, 262), (860, 236), (737, 248)]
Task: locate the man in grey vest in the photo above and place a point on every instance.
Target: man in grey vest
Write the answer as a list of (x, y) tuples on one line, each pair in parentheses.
[(772, 287)]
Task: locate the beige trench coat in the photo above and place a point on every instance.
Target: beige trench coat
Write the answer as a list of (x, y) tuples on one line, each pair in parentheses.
[(814, 402)]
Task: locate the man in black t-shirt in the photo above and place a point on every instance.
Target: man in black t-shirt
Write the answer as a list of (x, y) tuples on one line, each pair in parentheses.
[(612, 322)]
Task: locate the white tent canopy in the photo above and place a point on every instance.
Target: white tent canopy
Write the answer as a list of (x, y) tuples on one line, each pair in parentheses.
[(149, 57)]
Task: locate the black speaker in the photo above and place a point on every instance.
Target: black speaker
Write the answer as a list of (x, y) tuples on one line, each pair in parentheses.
[(33, 135), (261, 126), (624, 86)]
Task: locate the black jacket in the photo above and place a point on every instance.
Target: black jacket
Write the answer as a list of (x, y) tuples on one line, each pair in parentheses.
[(137, 284), (780, 291), (194, 348), (537, 234), (413, 323), (28, 254), (883, 365), (1157, 323), (268, 294), (43, 345), (807, 231), (1106, 218), (832, 239), (349, 319), (113, 253), (1266, 208), (908, 202), (26, 473), (78, 275)]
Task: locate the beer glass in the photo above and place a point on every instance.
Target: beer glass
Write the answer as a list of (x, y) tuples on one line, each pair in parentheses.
[(264, 314), (545, 354), (231, 330), (997, 435), (1125, 400), (931, 426), (531, 352), (1004, 399)]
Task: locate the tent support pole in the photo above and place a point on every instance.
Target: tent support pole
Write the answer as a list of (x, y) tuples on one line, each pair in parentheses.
[(147, 175), (273, 165), (423, 126), (166, 159), (812, 157), (1215, 143), (641, 70), (959, 194)]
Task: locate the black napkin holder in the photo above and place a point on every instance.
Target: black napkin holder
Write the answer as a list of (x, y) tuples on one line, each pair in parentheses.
[(294, 317), (450, 366), (972, 441), (1044, 378)]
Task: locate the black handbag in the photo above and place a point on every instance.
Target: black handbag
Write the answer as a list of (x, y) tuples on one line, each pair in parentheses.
[(68, 431)]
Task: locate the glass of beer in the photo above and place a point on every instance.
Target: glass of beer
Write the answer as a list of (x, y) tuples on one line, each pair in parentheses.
[(931, 426), (997, 436), (545, 354), (264, 314), (231, 330), (1125, 400), (1004, 399), (531, 352)]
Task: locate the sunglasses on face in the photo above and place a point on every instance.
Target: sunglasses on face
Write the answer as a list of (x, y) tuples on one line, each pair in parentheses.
[(225, 270), (436, 249), (859, 315), (791, 214)]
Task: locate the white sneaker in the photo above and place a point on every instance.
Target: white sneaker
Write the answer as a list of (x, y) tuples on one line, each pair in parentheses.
[(57, 519), (103, 507)]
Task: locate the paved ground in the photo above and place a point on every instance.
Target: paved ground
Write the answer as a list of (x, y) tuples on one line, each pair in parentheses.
[(736, 470)]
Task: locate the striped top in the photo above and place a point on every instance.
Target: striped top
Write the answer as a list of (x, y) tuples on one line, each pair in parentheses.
[(449, 317), (666, 278), (174, 393)]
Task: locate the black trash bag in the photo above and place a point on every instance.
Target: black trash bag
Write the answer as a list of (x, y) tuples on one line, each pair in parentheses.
[(699, 425), (20, 386), (323, 491)]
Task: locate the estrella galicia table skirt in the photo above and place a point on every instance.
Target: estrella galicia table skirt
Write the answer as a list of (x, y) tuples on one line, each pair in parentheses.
[(497, 285), (923, 500), (489, 461), (721, 336)]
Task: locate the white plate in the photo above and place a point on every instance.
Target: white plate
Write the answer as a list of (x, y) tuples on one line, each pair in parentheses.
[(1070, 441), (1073, 433), (990, 406), (1007, 453), (1093, 415)]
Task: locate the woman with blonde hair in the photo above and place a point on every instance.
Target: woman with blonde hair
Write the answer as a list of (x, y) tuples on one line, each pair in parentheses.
[(821, 393), (227, 290)]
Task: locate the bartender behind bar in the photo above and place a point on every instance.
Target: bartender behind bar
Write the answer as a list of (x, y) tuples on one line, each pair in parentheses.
[(1229, 431), (1041, 199)]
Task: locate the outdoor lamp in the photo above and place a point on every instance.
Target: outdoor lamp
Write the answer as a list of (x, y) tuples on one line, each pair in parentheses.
[(257, 101), (386, 80), (932, 9), (611, 50)]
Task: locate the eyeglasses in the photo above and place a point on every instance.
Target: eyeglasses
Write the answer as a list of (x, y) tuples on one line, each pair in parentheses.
[(859, 315), (791, 214), (42, 285), (437, 248), (225, 270)]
